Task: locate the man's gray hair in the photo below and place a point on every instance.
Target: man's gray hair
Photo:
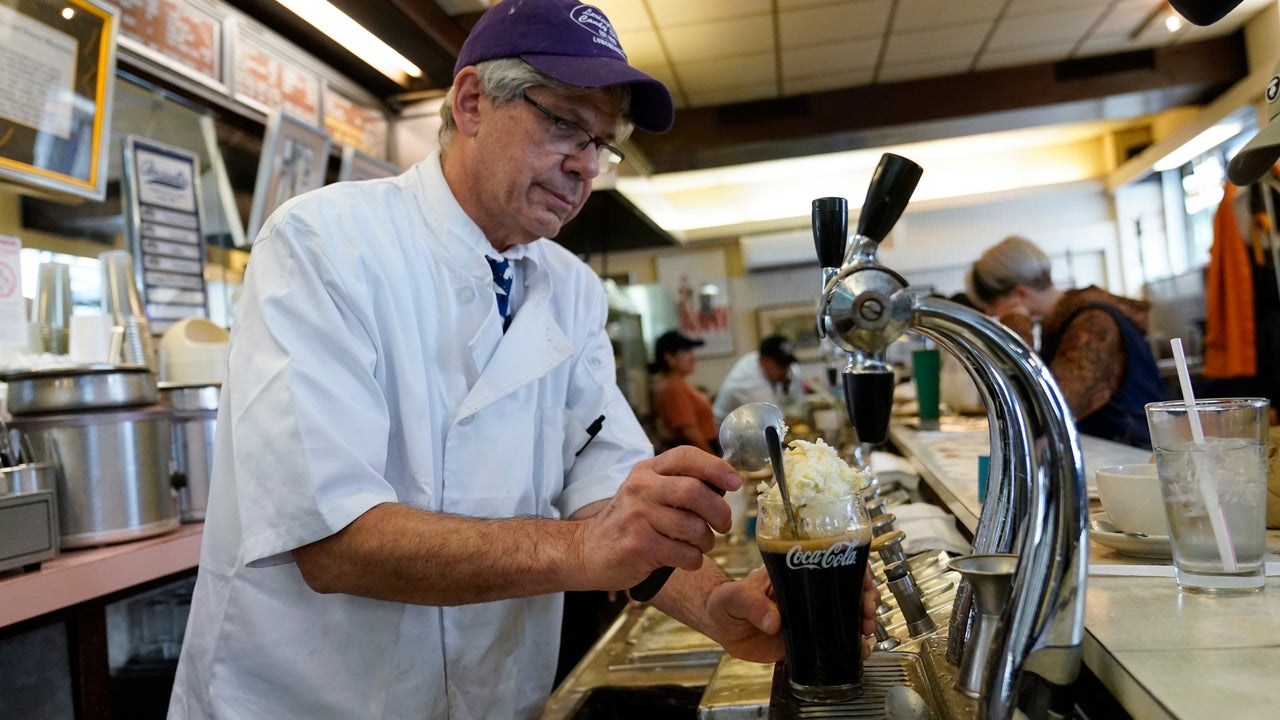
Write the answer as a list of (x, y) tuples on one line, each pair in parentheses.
[(503, 80)]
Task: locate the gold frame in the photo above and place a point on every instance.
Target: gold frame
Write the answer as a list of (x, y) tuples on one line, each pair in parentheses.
[(66, 169)]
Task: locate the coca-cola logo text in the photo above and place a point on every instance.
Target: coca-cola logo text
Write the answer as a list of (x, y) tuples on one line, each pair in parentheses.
[(840, 554)]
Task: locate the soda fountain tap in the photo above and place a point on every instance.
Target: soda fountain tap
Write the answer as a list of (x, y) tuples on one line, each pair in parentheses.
[(1035, 504)]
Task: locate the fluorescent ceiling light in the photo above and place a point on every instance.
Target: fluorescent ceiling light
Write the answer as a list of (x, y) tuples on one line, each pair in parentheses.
[(1198, 145), (351, 35)]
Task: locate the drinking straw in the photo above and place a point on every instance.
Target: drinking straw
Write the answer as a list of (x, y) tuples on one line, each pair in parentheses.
[(1207, 483)]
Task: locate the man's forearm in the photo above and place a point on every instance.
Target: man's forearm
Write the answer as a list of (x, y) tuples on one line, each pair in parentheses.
[(403, 554), (684, 596)]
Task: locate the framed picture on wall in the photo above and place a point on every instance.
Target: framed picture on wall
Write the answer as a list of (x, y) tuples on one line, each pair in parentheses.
[(293, 161), (57, 61), (797, 321), (357, 165), (698, 284)]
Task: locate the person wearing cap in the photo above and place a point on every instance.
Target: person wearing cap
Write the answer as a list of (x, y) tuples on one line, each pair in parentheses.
[(768, 374), (421, 443), (683, 412), (1093, 341)]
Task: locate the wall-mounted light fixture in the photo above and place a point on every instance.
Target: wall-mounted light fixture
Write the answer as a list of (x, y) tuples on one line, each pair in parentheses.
[(1163, 14), (354, 37)]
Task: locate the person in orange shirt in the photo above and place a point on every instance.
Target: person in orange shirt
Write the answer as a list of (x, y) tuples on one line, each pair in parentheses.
[(683, 412)]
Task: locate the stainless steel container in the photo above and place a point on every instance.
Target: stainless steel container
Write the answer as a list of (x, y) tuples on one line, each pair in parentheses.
[(195, 414), (113, 472), (79, 387)]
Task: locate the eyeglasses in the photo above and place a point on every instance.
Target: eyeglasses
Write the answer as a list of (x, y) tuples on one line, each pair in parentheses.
[(569, 138)]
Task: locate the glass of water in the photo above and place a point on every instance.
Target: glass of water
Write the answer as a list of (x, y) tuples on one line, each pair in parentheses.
[(1214, 487)]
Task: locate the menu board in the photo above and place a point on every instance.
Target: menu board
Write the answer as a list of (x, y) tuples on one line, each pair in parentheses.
[(165, 236), (350, 123), (264, 79), (177, 32)]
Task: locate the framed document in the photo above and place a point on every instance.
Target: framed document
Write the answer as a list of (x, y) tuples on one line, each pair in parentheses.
[(293, 161), (797, 321), (360, 166), (165, 232), (57, 65)]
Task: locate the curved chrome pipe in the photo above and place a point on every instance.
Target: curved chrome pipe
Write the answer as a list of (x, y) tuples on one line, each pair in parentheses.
[(1036, 502)]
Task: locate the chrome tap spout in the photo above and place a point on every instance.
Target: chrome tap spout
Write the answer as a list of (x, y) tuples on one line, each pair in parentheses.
[(1036, 502)]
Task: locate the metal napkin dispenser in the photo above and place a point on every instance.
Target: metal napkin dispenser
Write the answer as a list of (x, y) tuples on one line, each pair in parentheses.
[(29, 529)]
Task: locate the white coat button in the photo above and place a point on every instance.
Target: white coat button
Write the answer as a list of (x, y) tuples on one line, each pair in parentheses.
[(466, 295), (466, 420), (594, 361)]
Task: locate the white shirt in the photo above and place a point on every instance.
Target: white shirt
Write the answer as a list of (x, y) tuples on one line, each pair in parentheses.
[(746, 383), (368, 365)]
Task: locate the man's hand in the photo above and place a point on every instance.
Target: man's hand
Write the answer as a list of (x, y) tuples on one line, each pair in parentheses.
[(870, 604), (744, 618), (659, 517)]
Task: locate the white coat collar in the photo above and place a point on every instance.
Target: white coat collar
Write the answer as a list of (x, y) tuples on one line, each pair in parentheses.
[(535, 343)]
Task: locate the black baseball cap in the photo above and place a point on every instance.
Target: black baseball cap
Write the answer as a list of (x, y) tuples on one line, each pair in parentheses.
[(669, 342), (571, 42), (779, 349)]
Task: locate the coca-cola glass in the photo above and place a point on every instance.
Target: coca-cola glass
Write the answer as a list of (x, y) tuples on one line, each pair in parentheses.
[(817, 578)]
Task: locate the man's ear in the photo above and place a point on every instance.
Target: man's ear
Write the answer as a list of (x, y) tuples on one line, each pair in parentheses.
[(467, 96)]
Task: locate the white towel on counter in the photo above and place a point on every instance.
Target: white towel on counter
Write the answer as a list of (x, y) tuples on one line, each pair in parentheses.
[(928, 527)]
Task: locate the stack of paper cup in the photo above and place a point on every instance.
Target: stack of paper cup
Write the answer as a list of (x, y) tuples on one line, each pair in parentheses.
[(90, 338), (120, 300), (53, 307)]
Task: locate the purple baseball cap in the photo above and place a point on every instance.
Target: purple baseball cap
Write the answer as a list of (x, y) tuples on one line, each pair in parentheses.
[(571, 42)]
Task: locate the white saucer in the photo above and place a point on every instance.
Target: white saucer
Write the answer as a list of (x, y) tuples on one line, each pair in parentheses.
[(1152, 546)]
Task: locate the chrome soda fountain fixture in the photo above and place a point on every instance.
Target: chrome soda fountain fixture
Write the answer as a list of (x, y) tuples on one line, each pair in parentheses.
[(1035, 505)]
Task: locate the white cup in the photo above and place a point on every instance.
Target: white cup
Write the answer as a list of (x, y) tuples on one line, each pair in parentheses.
[(91, 338), (1131, 496)]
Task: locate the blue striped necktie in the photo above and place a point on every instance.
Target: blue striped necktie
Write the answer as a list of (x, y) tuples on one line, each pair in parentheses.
[(502, 277)]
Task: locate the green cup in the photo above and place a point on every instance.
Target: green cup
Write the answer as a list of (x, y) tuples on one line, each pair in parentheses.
[(926, 369)]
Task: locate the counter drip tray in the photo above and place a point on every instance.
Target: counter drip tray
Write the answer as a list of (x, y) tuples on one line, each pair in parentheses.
[(880, 672)]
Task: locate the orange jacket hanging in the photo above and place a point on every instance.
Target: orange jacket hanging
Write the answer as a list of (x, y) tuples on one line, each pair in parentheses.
[(1230, 346)]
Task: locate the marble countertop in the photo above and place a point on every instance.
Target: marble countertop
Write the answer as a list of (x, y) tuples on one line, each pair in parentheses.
[(1161, 653)]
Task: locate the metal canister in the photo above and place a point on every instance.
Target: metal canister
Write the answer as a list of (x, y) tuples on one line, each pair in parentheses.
[(195, 414)]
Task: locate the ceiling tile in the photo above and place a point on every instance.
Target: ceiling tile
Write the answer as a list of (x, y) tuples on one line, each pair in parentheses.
[(798, 28), (951, 42), (833, 58), (1105, 45), (1018, 8), (1125, 17), (625, 15), (930, 14), (642, 48), (691, 43), (706, 76), (827, 81), (897, 72), (1024, 56), (723, 95), (673, 13), (1049, 28)]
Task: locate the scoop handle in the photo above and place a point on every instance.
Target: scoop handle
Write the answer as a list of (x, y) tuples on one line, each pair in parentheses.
[(644, 590)]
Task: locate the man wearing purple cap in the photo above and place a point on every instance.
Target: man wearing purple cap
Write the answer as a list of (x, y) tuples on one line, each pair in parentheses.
[(421, 443)]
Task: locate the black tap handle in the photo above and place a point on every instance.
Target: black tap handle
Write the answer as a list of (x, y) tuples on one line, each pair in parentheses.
[(830, 230), (891, 186), (868, 396)]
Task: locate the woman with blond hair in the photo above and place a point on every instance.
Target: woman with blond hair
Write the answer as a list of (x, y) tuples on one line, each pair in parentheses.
[(1093, 341)]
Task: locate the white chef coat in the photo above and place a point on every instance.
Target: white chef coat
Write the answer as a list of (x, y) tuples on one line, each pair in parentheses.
[(368, 365), (746, 383)]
